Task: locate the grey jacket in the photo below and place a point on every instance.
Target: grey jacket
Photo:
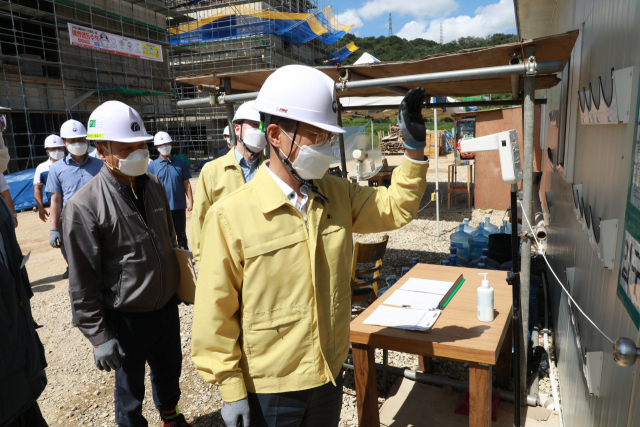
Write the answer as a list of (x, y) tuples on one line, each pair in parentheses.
[(115, 260)]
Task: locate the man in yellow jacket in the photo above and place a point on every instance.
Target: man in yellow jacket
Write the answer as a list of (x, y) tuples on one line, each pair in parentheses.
[(273, 300), (225, 175)]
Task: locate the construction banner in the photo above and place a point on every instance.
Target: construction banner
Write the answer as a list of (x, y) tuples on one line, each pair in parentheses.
[(113, 43)]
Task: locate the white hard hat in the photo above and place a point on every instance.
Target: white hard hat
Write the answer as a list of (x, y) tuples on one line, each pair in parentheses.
[(53, 141), (162, 138), (225, 132), (246, 112), (300, 93), (72, 129), (116, 121)]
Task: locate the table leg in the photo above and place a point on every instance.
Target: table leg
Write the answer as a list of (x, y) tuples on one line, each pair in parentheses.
[(503, 366), (364, 367), (479, 395), (424, 364)]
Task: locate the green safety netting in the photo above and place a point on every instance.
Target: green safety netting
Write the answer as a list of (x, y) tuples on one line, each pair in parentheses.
[(240, 21)]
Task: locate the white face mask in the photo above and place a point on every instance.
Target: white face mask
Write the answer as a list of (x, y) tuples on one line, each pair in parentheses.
[(56, 154), (254, 139), (165, 150), (135, 164), (312, 161), (78, 148)]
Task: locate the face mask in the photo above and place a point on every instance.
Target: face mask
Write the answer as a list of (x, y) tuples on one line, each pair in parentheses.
[(313, 161), (56, 154), (164, 150), (254, 139), (4, 155), (78, 148), (136, 164)]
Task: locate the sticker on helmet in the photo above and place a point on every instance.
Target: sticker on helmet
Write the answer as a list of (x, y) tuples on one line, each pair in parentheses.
[(334, 106), (283, 110), (95, 123), (75, 129), (135, 126), (95, 135)]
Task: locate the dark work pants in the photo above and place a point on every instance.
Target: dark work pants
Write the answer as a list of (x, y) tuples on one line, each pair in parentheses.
[(32, 417), (316, 407), (154, 338), (180, 225)]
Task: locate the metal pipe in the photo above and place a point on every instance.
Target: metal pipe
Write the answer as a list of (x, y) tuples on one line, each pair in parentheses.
[(208, 88), (515, 80), (445, 76), (343, 159), (515, 295), (440, 381), (437, 151), (539, 228), (230, 113), (527, 191), (345, 74), (441, 105)]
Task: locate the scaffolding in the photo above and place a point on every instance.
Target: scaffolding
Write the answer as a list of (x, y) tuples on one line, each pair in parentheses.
[(247, 47), (46, 80)]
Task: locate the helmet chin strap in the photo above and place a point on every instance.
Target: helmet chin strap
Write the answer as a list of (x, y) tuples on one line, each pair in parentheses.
[(287, 164)]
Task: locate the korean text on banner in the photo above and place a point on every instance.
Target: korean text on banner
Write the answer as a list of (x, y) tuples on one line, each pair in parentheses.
[(113, 43)]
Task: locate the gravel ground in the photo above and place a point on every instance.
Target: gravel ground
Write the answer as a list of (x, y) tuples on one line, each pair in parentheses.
[(80, 395)]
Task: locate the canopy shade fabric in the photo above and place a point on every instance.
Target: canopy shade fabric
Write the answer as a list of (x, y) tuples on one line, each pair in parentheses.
[(552, 48)]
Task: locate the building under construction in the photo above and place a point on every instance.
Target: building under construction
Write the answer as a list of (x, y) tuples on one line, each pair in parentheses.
[(49, 76)]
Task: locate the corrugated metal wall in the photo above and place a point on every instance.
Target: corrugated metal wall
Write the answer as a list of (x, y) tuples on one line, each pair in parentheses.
[(603, 160)]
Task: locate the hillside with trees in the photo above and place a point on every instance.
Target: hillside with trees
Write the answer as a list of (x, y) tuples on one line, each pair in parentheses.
[(395, 48)]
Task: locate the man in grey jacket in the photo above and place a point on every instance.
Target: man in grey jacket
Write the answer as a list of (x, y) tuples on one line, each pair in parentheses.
[(123, 272)]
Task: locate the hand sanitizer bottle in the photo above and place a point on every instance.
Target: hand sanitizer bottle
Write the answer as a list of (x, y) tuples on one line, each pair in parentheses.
[(485, 300)]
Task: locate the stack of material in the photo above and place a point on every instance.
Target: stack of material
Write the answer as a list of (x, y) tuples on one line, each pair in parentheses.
[(430, 149), (393, 143)]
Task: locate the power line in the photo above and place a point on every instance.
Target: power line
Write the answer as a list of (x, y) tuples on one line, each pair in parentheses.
[(390, 26)]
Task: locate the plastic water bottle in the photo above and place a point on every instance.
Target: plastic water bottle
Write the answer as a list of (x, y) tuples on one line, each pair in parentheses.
[(505, 225), (459, 236), (461, 250), (476, 244), (474, 263), (445, 262), (489, 263), (488, 226), (481, 266), (460, 260), (479, 230), (467, 228)]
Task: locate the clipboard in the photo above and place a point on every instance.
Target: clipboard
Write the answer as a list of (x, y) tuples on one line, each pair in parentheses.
[(451, 293), (187, 289)]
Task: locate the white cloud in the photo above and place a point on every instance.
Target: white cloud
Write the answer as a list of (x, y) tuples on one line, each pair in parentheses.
[(490, 19), (350, 17), (419, 8)]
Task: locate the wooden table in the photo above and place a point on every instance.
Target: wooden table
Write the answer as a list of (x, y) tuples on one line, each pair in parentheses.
[(457, 335)]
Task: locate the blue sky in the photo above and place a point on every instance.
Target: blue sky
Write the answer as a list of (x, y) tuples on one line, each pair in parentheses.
[(421, 18)]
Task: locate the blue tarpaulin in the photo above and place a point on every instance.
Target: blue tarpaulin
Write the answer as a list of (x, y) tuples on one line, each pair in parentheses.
[(21, 188)]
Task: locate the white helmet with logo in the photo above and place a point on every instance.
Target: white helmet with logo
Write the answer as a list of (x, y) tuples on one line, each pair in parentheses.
[(53, 141), (225, 132), (246, 112), (301, 93), (161, 138), (116, 121), (72, 129)]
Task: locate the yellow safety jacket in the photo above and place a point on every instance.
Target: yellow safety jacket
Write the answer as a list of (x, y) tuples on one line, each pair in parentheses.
[(273, 298), (217, 179)]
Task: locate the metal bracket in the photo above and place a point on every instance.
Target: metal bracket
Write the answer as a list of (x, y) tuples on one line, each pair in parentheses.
[(220, 99), (530, 66), (344, 80), (513, 278)]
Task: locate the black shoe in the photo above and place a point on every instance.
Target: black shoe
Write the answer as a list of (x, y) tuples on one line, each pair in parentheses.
[(65, 275), (171, 419)]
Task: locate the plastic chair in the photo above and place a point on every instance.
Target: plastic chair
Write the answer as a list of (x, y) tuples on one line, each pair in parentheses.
[(365, 283)]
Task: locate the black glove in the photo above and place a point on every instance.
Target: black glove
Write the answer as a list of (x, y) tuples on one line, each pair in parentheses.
[(410, 120)]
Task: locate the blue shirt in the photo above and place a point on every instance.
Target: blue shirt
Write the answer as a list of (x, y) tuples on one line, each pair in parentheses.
[(248, 172), (66, 176), (173, 173)]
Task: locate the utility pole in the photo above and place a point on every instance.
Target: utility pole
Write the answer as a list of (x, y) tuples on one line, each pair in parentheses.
[(390, 26), (441, 34)]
